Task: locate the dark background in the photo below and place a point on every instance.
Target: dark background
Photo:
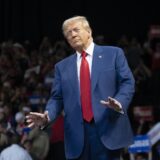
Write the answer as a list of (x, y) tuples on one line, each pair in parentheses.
[(32, 19)]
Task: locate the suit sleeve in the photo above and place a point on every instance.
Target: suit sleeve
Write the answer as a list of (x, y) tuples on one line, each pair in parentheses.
[(55, 103), (125, 80)]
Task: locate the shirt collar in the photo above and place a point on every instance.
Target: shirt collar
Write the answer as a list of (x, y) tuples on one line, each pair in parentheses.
[(89, 50)]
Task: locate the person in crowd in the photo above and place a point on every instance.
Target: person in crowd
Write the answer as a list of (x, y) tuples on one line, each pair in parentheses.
[(14, 150), (57, 139), (94, 87)]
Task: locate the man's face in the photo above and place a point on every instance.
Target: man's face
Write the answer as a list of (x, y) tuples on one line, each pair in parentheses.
[(78, 36)]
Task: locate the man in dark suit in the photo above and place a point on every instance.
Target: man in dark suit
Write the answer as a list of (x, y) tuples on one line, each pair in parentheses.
[(108, 91)]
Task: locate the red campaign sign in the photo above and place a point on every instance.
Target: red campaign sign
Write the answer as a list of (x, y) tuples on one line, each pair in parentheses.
[(143, 113)]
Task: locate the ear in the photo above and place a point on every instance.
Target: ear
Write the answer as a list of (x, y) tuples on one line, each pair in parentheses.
[(89, 32)]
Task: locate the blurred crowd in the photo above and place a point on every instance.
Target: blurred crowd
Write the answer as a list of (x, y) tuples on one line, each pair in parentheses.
[(26, 75)]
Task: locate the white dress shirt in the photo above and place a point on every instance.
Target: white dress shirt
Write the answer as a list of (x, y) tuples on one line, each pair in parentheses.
[(89, 58)]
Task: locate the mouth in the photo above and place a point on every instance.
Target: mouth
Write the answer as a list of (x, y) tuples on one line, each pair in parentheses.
[(75, 41)]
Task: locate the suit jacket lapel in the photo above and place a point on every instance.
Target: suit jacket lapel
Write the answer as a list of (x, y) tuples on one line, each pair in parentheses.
[(96, 65), (96, 68), (73, 76)]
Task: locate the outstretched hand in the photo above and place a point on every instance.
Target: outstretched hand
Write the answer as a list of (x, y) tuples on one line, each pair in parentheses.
[(37, 119), (112, 103)]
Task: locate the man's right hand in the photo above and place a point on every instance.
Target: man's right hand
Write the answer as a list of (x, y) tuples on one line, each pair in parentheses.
[(37, 119)]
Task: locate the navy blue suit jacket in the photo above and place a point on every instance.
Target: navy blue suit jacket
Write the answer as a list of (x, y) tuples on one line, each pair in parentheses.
[(110, 76)]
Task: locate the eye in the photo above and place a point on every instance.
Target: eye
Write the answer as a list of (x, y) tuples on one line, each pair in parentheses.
[(76, 30)]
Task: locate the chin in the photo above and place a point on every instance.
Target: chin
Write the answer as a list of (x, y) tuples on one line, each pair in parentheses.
[(77, 46)]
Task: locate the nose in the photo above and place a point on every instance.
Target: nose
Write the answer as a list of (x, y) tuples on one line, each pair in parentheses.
[(73, 33)]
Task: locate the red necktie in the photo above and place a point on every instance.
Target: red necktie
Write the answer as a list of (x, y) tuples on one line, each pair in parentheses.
[(85, 88)]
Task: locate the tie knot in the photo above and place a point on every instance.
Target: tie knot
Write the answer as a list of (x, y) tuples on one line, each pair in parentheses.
[(84, 54)]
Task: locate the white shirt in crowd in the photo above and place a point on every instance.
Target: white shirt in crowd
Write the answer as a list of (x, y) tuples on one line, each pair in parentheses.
[(15, 152)]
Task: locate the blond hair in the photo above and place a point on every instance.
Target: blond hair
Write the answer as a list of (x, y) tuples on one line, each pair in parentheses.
[(81, 19)]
